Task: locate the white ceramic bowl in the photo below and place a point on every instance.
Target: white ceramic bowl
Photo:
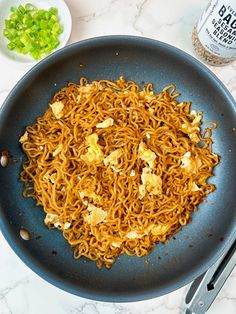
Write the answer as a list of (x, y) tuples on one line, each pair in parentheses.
[(65, 21)]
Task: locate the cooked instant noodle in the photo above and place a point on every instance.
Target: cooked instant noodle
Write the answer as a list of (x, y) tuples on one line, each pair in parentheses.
[(117, 168)]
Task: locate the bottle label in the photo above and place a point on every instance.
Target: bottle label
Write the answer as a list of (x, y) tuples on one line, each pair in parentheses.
[(217, 28)]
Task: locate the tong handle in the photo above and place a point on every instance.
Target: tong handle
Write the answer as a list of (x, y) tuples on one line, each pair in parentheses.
[(205, 288)]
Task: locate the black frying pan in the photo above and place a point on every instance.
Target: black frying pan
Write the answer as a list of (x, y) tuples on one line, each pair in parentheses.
[(170, 266)]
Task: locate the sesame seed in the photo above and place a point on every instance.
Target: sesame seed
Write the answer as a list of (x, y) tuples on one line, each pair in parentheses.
[(25, 235), (4, 161)]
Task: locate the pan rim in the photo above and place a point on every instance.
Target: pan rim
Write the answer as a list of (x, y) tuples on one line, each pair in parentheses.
[(38, 268)]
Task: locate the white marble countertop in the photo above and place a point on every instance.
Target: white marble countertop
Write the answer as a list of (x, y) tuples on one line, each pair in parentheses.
[(22, 291)]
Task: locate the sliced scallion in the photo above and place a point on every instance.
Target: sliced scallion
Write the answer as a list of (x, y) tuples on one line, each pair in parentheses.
[(32, 31)]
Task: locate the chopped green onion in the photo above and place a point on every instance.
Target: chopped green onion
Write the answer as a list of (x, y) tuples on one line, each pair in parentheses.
[(32, 31)]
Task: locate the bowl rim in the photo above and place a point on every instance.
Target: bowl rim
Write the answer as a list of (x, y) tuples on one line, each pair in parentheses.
[(62, 44)]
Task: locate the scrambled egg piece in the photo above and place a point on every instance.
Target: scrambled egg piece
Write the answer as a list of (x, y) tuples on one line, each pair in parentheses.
[(195, 188), (95, 216), (147, 96), (133, 235), (194, 137), (90, 194), (94, 152), (186, 161), (53, 219), (153, 229), (58, 150), (57, 108), (24, 137), (84, 92), (85, 89), (198, 117), (146, 155), (132, 173), (51, 177), (159, 229), (191, 128), (151, 183), (112, 159), (66, 225), (151, 110), (105, 124), (116, 243), (142, 191), (47, 176), (189, 164)]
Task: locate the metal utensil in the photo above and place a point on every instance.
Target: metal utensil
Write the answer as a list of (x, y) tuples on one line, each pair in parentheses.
[(205, 288)]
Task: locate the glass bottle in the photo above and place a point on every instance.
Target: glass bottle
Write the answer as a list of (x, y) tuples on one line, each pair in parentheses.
[(214, 36)]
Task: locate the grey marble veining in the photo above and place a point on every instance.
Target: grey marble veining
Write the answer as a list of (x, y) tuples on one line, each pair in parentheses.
[(22, 291)]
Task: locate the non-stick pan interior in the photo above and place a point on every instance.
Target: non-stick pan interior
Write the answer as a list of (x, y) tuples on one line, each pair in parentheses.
[(170, 265)]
